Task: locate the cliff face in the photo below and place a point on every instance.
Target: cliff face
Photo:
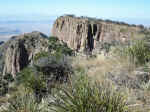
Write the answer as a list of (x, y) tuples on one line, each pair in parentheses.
[(19, 51), (86, 34)]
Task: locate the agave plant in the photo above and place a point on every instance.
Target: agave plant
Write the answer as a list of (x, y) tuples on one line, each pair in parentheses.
[(82, 96), (26, 103), (138, 52)]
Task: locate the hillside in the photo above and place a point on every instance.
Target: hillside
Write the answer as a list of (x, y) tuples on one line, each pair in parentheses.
[(89, 64), (19, 51)]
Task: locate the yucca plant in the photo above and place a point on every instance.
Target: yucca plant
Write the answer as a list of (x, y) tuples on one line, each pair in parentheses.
[(83, 96), (23, 103), (139, 52)]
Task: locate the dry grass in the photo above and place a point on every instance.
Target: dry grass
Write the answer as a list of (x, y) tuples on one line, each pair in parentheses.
[(98, 67)]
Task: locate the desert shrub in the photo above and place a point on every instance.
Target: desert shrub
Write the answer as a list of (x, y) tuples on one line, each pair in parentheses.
[(59, 47), (70, 15), (8, 77), (83, 96), (3, 87), (139, 52), (33, 81), (147, 35), (40, 55), (28, 78), (141, 26), (56, 48), (44, 74), (23, 103), (123, 30), (4, 83), (106, 47), (56, 68)]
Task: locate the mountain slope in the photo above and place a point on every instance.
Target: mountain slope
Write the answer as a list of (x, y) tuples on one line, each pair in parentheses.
[(19, 51)]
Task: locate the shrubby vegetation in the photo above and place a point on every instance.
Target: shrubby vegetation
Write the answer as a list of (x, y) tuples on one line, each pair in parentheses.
[(3, 87), (138, 52), (59, 47), (80, 94), (106, 46), (70, 89), (84, 95), (55, 48), (41, 55), (4, 83), (45, 73), (123, 30), (33, 82), (24, 103), (48, 67)]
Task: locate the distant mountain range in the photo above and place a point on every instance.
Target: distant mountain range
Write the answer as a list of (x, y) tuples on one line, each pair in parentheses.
[(11, 28), (7, 31)]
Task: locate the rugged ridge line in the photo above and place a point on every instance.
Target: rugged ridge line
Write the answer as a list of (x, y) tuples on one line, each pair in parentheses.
[(86, 34)]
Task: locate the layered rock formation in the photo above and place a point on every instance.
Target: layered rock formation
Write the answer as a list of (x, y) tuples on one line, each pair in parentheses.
[(19, 51), (86, 34)]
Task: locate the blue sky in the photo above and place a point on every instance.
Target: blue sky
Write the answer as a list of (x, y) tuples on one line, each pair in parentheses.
[(128, 10)]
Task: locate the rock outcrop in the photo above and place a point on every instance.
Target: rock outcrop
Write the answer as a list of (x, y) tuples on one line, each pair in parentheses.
[(82, 33), (19, 51)]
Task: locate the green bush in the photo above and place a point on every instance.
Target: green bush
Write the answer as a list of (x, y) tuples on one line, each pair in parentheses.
[(3, 87), (59, 47), (123, 30), (33, 81), (40, 55), (138, 52), (83, 96), (4, 83), (44, 74), (106, 46), (8, 78)]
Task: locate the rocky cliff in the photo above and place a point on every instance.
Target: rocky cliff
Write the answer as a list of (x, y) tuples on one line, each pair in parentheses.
[(19, 51), (82, 33)]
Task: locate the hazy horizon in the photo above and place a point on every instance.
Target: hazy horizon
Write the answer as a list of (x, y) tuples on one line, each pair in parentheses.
[(24, 25)]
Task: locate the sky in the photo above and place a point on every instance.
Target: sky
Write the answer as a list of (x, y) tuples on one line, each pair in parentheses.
[(126, 10)]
